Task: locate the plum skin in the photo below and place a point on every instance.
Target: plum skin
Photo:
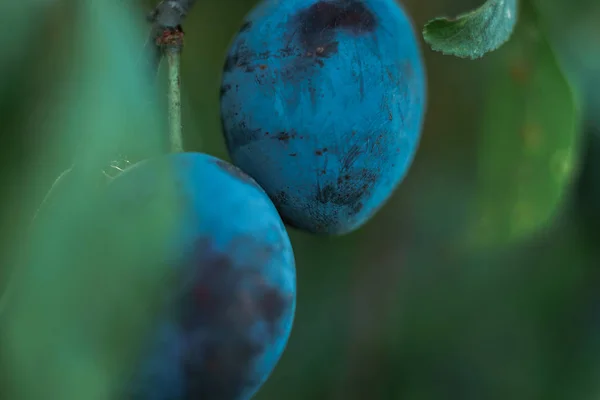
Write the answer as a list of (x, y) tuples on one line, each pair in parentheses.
[(322, 102), (230, 313)]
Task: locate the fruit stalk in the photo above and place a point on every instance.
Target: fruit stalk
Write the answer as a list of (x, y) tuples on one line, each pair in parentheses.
[(167, 18), (175, 124), (167, 15), (171, 44)]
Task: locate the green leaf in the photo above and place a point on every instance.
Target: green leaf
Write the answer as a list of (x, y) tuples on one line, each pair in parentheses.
[(529, 142), (72, 321), (475, 33), (20, 23)]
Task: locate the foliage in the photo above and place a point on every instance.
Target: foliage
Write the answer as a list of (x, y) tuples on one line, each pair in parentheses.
[(475, 33)]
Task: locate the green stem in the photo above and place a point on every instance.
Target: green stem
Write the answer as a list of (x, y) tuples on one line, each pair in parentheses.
[(175, 125)]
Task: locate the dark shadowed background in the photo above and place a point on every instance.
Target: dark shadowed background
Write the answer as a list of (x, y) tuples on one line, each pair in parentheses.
[(455, 290)]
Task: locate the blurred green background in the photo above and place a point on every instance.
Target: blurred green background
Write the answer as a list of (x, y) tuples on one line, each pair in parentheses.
[(478, 280)]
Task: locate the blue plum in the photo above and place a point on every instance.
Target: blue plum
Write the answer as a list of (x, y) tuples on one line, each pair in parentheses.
[(322, 102), (225, 320)]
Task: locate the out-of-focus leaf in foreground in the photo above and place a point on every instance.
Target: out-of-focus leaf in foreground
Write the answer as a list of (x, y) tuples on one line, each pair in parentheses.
[(475, 33), (529, 141), (20, 21), (85, 290)]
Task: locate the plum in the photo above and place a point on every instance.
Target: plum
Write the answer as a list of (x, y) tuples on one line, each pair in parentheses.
[(228, 312), (322, 102)]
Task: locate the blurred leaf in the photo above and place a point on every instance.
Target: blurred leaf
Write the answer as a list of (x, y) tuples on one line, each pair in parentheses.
[(574, 33), (475, 33), (529, 140), (20, 22), (502, 331), (588, 184), (59, 330)]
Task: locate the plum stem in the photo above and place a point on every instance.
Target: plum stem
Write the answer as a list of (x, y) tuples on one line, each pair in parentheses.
[(167, 15), (171, 44), (175, 124), (166, 19)]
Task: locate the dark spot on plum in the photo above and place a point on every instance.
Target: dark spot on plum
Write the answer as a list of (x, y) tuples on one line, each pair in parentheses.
[(224, 301), (285, 136), (320, 21), (281, 198), (220, 375), (246, 26), (235, 172), (239, 58), (293, 154), (357, 208), (350, 157), (348, 192), (238, 135), (326, 194), (273, 305), (265, 55), (313, 93), (230, 63), (224, 89)]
